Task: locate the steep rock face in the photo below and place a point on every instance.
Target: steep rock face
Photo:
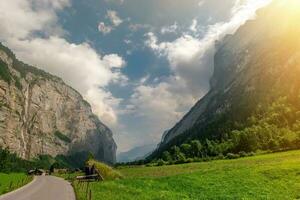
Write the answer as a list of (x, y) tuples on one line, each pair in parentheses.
[(40, 114), (259, 63)]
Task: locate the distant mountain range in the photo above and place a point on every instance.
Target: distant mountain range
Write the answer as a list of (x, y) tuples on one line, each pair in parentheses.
[(136, 153)]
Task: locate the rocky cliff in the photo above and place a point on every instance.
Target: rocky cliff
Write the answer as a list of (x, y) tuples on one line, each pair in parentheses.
[(255, 66), (40, 114)]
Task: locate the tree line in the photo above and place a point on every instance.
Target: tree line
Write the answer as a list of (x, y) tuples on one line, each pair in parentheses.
[(272, 128)]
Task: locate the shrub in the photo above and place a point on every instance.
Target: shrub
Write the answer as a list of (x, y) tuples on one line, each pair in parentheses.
[(251, 154), (220, 156), (160, 162), (189, 160), (198, 159), (243, 154), (232, 156), (4, 72), (62, 137), (180, 161), (205, 159)]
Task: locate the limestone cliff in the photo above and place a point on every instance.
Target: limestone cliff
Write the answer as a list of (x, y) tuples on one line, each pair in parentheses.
[(40, 114)]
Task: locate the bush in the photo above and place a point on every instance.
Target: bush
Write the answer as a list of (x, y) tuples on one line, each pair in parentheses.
[(189, 160), (232, 156), (180, 162), (251, 154), (160, 162), (198, 159), (4, 72), (205, 159), (243, 154), (220, 157)]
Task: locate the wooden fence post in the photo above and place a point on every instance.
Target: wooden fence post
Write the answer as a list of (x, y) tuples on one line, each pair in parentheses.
[(87, 190), (90, 195)]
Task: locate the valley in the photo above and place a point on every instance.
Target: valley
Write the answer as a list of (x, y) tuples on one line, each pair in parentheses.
[(181, 132)]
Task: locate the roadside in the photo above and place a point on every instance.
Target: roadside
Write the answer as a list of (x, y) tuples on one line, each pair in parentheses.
[(43, 188), (12, 181)]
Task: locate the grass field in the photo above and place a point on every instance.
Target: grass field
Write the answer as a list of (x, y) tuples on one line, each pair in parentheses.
[(10, 182), (270, 176)]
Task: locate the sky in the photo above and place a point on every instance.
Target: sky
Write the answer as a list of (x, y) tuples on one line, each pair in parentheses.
[(141, 64)]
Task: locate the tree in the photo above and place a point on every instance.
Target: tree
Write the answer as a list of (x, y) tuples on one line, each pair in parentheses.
[(177, 155), (90, 156), (196, 148), (167, 156), (187, 150)]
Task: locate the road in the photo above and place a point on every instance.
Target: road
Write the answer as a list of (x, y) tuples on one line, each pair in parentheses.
[(43, 188)]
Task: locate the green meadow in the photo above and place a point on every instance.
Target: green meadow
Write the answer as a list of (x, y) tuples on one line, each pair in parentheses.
[(269, 176), (12, 181)]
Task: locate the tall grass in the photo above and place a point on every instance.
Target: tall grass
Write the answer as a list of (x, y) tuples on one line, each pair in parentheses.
[(10, 182)]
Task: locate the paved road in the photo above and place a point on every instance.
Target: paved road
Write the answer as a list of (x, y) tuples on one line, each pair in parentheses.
[(43, 188)]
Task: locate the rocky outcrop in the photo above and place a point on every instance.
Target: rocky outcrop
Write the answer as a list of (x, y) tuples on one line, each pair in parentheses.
[(257, 64), (40, 114)]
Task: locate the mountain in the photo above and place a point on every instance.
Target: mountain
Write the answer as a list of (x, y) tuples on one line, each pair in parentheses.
[(136, 153), (253, 68), (41, 115)]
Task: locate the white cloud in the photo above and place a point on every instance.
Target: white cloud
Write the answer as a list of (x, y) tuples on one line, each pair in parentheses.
[(181, 50), (161, 102), (127, 41), (114, 61), (144, 79), (169, 29), (201, 3), (116, 1), (114, 18), (78, 64), (136, 27), (194, 25), (104, 28), (19, 18)]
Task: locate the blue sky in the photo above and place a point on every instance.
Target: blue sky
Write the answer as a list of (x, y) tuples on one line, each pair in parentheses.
[(142, 64)]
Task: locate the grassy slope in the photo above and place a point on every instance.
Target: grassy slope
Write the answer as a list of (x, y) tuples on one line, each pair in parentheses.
[(272, 176), (9, 182)]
